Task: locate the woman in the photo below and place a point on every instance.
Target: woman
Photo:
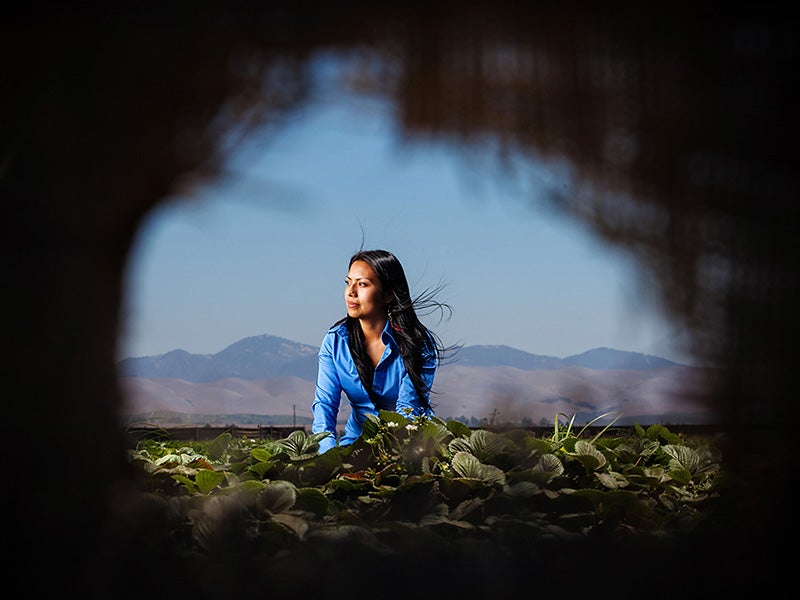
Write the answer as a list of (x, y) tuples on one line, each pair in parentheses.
[(380, 355)]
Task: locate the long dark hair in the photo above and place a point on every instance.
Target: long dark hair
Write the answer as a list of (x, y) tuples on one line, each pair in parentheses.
[(414, 339)]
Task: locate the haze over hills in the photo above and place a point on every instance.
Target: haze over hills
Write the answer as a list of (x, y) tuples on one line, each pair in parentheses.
[(256, 357), (272, 376), (264, 356), (598, 358)]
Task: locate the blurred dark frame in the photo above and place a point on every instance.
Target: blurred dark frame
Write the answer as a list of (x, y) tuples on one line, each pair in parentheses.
[(681, 125)]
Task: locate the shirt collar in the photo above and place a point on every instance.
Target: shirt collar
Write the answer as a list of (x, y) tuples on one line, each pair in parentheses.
[(387, 334)]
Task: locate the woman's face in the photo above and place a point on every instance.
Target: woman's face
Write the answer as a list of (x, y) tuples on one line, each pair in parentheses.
[(363, 293)]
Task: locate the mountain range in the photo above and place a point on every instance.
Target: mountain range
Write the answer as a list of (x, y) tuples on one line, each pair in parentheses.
[(269, 375)]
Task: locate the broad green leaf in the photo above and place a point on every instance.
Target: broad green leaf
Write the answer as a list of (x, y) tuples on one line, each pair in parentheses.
[(344, 485), (172, 458), (458, 429), (466, 465), (371, 426), (569, 443), (659, 433), (261, 468), (469, 467), (682, 457), (682, 476), (434, 430), (649, 448), (207, 480), (261, 454), (523, 489), (388, 416), (457, 489), (316, 438), (277, 496), (486, 445), (657, 474), (311, 500), (590, 456), (218, 447), (459, 445), (179, 470), (250, 485), (295, 444), (612, 480), (323, 467), (187, 483), (302, 457), (549, 463), (539, 446), (590, 463)]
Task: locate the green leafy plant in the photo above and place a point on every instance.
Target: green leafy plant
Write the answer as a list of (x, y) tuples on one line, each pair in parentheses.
[(409, 476)]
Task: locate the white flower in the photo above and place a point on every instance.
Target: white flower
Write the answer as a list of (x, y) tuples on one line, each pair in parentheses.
[(391, 424), (411, 427)]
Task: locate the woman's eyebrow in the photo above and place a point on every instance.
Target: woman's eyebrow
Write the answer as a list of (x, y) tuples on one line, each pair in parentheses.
[(347, 278)]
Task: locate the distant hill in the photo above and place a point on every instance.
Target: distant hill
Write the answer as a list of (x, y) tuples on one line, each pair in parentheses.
[(265, 356), (505, 356), (272, 376), (608, 358), (257, 357), (598, 358)]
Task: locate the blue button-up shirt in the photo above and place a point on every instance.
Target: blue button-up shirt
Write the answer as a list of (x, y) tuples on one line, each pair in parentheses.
[(391, 384)]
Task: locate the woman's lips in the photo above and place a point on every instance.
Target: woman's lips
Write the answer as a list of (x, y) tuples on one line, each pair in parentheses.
[(352, 305)]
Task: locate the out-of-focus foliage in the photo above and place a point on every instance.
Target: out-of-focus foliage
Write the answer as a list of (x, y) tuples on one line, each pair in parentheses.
[(407, 479)]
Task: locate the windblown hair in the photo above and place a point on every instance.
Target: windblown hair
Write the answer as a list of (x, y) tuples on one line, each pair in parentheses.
[(414, 339)]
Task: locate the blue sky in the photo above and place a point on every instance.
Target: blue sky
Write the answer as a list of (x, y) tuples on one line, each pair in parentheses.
[(265, 249)]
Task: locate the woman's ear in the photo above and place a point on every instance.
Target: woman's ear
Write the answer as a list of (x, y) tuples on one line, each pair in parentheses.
[(390, 301)]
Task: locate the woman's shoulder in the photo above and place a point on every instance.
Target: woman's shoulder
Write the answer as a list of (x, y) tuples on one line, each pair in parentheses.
[(335, 337), (337, 331)]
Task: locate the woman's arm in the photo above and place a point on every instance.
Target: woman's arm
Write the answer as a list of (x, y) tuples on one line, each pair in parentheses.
[(408, 398), (327, 395)]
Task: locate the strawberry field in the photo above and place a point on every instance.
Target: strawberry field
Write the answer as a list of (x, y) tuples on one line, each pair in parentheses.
[(419, 497)]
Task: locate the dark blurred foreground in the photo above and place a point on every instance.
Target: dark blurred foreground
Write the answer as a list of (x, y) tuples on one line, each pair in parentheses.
[(679, 128)]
